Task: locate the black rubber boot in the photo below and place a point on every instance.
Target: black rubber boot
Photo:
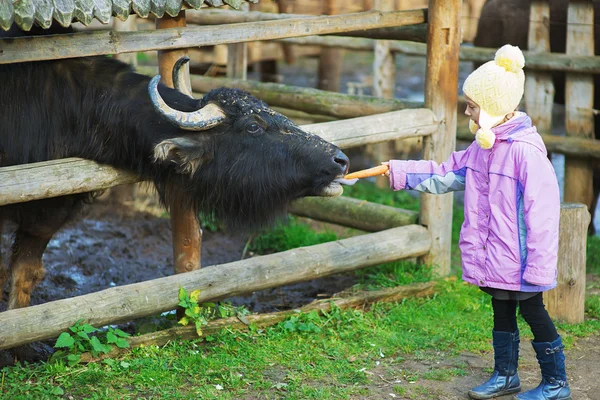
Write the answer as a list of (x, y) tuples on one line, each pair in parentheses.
[(505, 379)]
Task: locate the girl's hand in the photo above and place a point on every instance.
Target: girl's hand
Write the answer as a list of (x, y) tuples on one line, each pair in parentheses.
[(386, 163)]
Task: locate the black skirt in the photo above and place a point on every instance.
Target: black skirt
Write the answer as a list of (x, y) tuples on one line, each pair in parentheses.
[(501, 294)]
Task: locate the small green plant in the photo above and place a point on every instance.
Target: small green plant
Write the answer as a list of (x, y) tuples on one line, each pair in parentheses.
[(193, 311), (200, 314), (85, 338), (305, 323)]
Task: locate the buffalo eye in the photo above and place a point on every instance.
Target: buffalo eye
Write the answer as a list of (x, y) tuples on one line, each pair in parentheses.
[(254, 129)]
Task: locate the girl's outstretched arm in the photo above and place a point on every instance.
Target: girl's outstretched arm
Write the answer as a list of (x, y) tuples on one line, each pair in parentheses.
[(429, 176)]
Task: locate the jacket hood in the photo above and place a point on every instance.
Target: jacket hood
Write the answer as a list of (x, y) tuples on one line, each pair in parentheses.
[(520, 129)]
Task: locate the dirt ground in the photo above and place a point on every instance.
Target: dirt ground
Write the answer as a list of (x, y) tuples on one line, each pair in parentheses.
[(113, 246), (583, 361)]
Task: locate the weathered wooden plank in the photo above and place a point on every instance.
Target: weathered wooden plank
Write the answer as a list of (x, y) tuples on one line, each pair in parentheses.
[(84, 11), (354, 213), (55, 178), (7, 14), (376, 128), (44, 9), (103, 10), (141, 7), (24, 13), (310, 100), (63, 11), (415, 32), (106, 42), (579, 92), (441, 96), (125, 303), (566, 302)]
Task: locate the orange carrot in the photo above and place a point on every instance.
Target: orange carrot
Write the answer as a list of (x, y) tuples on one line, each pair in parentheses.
[(365, 173)]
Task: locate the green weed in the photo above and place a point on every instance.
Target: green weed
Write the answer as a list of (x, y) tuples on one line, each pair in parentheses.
[(85, 338), (200, 314)]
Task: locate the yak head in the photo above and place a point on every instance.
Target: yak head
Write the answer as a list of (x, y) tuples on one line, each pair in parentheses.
[(237, 160)]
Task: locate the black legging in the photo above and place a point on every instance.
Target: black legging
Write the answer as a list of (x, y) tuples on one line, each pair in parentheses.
[(534, 313)]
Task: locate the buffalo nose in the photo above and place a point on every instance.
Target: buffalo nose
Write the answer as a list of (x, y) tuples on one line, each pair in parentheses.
[(342, 161)]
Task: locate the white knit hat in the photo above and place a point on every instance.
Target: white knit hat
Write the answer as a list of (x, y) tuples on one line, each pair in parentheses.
[(497, 88)]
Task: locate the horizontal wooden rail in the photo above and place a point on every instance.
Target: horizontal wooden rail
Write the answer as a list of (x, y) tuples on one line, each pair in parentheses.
[(537, 61), (34, 181), (112, 42), (21, 183), (309, 100), (541, 61), (416, 32), (354, 213), (125, 303), (376, 128)]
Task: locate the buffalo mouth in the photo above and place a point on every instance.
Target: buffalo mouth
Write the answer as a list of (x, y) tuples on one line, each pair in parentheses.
[(335, 188)]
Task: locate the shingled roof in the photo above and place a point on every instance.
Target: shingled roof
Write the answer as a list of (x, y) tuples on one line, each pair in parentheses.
[(25, 12)]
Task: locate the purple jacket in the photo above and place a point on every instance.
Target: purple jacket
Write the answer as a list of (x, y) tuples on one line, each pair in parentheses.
[(509, 238)]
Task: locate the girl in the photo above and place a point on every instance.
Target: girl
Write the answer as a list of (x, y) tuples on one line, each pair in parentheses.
[(509, 238)]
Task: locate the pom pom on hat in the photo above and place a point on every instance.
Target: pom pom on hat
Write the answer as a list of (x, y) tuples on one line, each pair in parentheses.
[(510, 58), (485, 138)]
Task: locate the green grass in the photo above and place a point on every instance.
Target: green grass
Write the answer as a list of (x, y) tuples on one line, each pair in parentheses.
[(308, 356)]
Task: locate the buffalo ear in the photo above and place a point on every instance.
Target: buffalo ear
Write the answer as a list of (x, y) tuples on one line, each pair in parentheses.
[(187, 153)]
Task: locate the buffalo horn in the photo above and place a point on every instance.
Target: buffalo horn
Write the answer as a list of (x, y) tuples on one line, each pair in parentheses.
[(179, 76), (199, 120)]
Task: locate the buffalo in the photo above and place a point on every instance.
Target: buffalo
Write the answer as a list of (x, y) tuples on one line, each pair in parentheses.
[(507, 21), (227, 155)]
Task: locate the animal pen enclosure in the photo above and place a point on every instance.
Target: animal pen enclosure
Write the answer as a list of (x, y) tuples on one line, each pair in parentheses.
[(377, 120)]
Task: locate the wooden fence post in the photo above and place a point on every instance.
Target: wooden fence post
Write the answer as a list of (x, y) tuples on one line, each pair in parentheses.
[(566, 302), (579, 92), (237, 56), (384, 83), (123, 193), (539, 88), (441, 96), (187, 235), (330, 62)]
